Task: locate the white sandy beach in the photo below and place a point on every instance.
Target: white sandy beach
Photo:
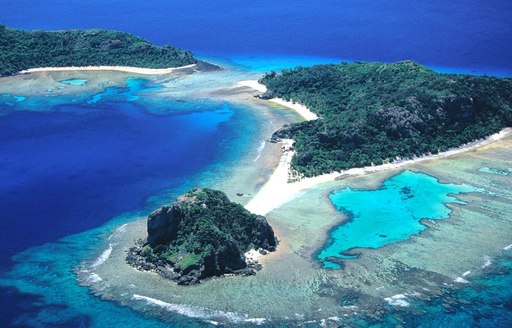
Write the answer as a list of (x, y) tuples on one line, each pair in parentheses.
[(300, 109), (127, 69), (278, 190)]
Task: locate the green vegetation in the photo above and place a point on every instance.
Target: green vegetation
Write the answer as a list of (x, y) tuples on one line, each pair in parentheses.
[(372, 113), (201, 235), (20, 50)]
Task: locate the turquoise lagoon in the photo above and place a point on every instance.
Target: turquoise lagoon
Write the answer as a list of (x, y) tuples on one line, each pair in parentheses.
[(387, 215)]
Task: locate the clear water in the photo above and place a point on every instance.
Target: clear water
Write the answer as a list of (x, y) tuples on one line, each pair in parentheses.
[(74, 81), (134, 87), (487, 302), (388, 215)]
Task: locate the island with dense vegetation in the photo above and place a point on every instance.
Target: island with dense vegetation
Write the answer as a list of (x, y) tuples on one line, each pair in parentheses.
[(21, 50), (373, 113), (202, 234)]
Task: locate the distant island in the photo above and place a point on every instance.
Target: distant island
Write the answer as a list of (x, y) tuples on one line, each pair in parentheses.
[(21, 50), (374, 113), (203, 234)]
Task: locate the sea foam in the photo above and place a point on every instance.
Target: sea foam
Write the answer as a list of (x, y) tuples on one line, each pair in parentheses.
[(397, 300), (487, 261), (260, 149), (102, 258), (93, 278), (198, 312)]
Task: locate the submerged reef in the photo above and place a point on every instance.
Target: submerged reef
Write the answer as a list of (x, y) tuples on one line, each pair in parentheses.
[(202, 234)]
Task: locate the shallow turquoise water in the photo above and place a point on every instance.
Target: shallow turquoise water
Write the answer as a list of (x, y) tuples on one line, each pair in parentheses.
[(74, 81), (486, 302), (387, 215), (132, 91)]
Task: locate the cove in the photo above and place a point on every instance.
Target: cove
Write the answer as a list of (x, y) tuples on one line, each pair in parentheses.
[(387, 215)]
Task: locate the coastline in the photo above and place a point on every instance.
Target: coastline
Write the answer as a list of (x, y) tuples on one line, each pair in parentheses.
[(278, 190), (300, 109), (126, 69)]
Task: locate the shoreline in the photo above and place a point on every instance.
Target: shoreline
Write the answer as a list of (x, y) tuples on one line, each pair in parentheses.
[(126, 69), (278, 191), (300, 109)]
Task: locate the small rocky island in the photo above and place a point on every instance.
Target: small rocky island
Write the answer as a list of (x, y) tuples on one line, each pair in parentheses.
[(202, 234)]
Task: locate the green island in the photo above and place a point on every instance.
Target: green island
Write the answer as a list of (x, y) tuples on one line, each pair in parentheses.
[(202, 234), (21, 50), (374, 113)]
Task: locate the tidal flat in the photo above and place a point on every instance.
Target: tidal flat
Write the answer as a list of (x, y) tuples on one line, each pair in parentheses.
[(396, 283)]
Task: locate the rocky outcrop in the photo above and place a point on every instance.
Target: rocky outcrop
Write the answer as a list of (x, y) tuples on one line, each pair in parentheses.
[(201, 235)]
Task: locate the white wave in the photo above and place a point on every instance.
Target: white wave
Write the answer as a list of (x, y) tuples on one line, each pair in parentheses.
[(350, 307), (103, 257), (507, 248), (397, 300), (122, 228), (461, 280), (198, 312), (93, 278), (465, 274), (260, 149), (488, 261), (257, 321), (119, 230), (215, 323)]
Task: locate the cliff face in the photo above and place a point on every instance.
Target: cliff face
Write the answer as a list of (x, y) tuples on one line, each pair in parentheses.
[(201, 235)]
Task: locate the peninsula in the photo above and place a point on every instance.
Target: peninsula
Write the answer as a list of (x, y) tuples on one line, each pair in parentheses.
[(201, 235), (22, 50), (375, 113)]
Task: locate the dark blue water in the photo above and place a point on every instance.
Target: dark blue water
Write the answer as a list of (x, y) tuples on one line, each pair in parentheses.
[(76, 167), (465, 34), (65, 169)]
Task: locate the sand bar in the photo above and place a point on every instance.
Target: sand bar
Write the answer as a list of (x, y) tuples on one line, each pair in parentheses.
[(127, 69), (278, 190), (300, 109)]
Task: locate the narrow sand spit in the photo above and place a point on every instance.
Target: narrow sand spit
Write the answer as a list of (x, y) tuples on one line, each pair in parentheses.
[(300, 109)]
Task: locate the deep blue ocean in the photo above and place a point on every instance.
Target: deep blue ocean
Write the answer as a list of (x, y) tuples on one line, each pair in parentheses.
[(75, 167), (469, 35)]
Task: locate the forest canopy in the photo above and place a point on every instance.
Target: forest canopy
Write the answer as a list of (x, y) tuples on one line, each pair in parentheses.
[(20, 50), (372, 113)]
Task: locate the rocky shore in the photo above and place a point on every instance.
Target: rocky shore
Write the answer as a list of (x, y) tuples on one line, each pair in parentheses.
[(201, 235)]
